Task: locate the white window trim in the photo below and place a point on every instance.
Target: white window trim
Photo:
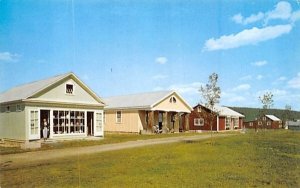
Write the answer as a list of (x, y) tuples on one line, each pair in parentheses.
[(121, 118), (200, 124)]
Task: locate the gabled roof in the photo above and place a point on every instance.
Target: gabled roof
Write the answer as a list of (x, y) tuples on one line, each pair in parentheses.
[(139, 101), (223, 111), (29, 90), (273, 118)]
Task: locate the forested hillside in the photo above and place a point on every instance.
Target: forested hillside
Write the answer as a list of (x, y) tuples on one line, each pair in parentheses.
[(251, 113)]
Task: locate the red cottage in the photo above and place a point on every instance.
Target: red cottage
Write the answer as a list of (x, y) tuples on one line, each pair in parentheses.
[(267, 121), (224, 118)]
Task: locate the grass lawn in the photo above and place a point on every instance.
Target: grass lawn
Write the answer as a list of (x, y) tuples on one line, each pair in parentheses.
[(265, 159)]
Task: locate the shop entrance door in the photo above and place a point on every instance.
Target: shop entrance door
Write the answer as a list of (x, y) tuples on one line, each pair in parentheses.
[(44, 120), (90, 123)]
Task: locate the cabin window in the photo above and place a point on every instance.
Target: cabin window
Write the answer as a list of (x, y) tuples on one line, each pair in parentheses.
[(264, 118), (259, 123), (119, 117), (199, 109), (172, 100), (251, 124), (268, 122), (69, 89), (199, 122)]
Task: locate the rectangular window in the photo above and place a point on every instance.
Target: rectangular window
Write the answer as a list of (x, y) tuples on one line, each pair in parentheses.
[(199, 122), (259, 123), (119, 117), (251, 124), (34, 120), (69, 88), (68, 122), (268, 122), (98, 122)]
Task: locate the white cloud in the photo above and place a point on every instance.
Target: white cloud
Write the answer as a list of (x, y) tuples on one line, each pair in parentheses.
[(7, 56), (238, 18), (259, 63), (242, 87), (159, 77), (295, 16), (246, 37), (190, 88), (283, 11), (295, 82), (259, 77), (161, 60)]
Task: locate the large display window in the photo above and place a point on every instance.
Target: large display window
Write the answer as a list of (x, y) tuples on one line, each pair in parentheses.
[(68, 122)]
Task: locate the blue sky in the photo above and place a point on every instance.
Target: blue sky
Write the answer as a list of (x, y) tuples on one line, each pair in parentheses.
[(122, 47)]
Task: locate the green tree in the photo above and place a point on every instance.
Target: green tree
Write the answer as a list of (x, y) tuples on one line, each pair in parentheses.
[(267, 102), (211, 94)]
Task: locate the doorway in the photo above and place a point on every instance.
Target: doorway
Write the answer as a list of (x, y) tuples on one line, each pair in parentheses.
[(44, 120), (90, 123)]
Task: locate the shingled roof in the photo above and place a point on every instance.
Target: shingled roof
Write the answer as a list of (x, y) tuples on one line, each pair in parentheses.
[(27, 91), (139, 101)]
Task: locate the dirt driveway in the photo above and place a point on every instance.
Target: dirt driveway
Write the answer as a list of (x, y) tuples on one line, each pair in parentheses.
[(23, 159)]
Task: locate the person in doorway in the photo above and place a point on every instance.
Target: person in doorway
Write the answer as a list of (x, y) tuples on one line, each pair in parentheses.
[(45, 130)]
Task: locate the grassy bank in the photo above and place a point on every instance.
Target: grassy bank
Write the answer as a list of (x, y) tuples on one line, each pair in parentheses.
[(266, 159)]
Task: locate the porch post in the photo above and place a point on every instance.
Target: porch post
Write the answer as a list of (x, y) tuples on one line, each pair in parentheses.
[(187, 122), (176, 124), (218, 123), (150, 121), (165, 122)]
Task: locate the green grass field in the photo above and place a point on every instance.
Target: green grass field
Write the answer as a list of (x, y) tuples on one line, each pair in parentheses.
[(265, 159)]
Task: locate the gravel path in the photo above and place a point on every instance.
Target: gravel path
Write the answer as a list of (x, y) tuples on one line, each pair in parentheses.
[(12, 161)]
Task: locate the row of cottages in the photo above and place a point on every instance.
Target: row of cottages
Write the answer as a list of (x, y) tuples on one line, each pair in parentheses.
[(68, 107), (222, 118), (266, 121), (146, 112)]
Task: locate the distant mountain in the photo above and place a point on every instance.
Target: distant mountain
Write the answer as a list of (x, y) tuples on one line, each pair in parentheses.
[(251, 113)]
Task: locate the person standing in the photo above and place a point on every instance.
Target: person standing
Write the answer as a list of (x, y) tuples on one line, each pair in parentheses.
[(45, 130)]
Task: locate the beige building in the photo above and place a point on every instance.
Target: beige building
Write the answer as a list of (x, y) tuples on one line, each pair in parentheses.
[(164, 111), (63, 104)]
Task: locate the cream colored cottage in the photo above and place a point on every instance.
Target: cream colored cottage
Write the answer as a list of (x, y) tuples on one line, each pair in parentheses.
[(70, 108), (137, 113)]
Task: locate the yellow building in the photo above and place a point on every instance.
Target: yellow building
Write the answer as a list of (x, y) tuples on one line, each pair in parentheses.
[(162, 111)]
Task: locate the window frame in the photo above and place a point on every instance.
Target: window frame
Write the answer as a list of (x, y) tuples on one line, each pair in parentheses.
[(199, 122), (66, 88), (119, 119)]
